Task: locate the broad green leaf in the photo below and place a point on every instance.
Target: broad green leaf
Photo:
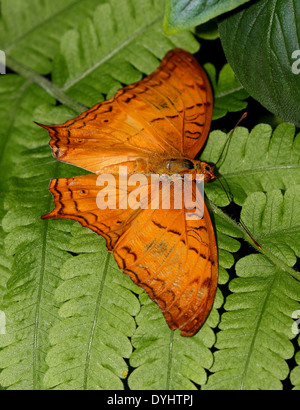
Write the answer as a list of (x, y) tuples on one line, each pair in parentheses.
[(91, 340), (269, 32), (229, 95), (255, 161), (208, 31), (30, 31), (254, 341), (186, 14)]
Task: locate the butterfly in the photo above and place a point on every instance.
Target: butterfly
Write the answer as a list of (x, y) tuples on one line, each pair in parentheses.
[(156, 125)]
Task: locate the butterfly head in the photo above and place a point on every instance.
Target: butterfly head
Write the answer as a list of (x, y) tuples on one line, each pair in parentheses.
[(206, 169)]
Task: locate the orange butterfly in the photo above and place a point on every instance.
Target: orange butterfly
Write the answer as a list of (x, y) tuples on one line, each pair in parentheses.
[(156, 125)]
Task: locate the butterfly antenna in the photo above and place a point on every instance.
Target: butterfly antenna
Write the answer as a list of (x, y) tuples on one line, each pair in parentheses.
[(237, 217), (230, 135), (229, 199)]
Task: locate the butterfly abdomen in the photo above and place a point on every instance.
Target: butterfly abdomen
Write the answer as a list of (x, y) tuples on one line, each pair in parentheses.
[(178, 165)]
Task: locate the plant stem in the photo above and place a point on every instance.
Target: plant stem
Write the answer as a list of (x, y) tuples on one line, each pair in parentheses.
[(51, 88), (262, 249)]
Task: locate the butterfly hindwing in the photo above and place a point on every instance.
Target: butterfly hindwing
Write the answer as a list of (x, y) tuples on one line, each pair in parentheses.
[(173, 259)]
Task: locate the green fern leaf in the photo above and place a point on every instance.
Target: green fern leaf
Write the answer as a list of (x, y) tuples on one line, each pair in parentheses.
[(254, 342), (246, 169), (5, 261), (37, 249), (165, 360), (30, 32), (18, 99), (121, 42), (274, 220), (5, 273), (70, 311), (295, 373), (229, 94), (92, 338)]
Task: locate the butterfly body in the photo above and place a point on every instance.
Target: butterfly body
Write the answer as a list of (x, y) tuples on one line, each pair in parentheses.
[(162, 166), (155, 126)]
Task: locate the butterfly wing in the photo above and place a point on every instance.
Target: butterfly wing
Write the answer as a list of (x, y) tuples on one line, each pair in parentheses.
[(173, 259), (167, 113), (76, 198)]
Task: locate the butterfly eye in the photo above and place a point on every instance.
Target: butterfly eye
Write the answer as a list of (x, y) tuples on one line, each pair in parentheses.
[(83, 192), (105, 120)]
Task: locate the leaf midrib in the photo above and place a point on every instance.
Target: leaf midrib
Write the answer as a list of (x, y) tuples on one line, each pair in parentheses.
[(95, 321), (170, 362), (249, 171), (125, 43), (278, 232), (39, 297), (229, 92), (251, 347), (263, 250)]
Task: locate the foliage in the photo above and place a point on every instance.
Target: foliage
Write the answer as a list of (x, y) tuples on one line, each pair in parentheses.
[(92, 337), (186, 14), (229, 95), (245, 169), (255, 331), (74, 320), (261, 43), (267, 69)]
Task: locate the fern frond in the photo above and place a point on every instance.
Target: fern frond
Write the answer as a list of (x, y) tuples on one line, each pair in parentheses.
[(295, 373), (162, 358), (5, 272), (5, 261), (260, 160), (229, 94), (18, 99), (37, 249), (30, 32), (92, 338), (254, 342), (123, 40), (274, 220)]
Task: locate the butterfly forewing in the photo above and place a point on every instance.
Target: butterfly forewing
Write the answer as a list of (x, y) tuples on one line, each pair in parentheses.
[(167, 113)]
